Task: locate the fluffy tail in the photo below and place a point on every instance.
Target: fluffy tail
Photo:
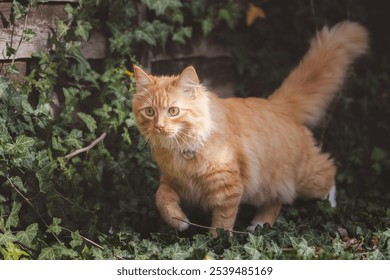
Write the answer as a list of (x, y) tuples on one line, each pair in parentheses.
[(311, 86)]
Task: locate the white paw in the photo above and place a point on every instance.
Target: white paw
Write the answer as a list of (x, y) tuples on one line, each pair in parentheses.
[(184, 225), (180, 224), (332, 197)]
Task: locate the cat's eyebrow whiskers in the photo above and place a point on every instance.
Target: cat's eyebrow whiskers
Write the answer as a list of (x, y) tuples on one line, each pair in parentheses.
[(145, 93)]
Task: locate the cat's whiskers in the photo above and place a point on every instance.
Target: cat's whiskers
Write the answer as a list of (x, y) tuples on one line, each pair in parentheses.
[(180, 147), (191, 137), (147, 135), (189, 146)]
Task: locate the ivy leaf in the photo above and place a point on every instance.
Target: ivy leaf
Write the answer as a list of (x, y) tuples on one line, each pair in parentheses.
[(18, 183), (29, 34), (56, 142), (18, 10), (2, 199), (126, 135), (254, 246), (83, 29), (13, 252), (47, 254), (98, 254), (182, 34), (62, 28), (376, 255), (55, 226), (69, 10), (378, 154), (88, 120), (61, 251), (73, 139), (302, 248), (163, 31), (207, 25), (146, 33), (6, 237), (11, 69), (338, 245), (13, 218), (161, 6), (76, 239), (176, 252), (34, 3), (9, 51), (230, 13), (24, 142), (27, 107), (27, 236)]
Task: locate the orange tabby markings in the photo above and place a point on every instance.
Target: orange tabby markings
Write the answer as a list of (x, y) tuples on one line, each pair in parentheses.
[(217, 153)]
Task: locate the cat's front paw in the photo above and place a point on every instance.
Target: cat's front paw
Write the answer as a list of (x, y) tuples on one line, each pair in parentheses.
[(180, 223)]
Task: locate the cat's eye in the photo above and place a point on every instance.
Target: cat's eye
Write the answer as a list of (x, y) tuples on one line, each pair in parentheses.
[(173, 111), (149, 111)]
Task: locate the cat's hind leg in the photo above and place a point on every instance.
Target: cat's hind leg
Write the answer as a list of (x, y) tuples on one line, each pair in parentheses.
[(265, 214), (318, 177)]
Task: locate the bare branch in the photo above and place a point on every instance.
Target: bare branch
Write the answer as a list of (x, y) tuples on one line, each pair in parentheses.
[(90, 241), (21, 38), (205, 227), (32, 206), (87, 148)]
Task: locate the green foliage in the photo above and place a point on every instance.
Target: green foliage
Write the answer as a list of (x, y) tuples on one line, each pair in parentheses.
[(99, 204)]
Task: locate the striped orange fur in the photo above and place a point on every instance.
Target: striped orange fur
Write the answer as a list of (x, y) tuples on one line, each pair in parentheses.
[(217, 153)]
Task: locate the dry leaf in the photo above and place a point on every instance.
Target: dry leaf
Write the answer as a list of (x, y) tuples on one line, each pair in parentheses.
[(253, 13), (128, 73), (374, 242), (343, 232)]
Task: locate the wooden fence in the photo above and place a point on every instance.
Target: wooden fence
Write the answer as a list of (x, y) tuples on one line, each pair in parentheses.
[(209, 57), (42, 21)]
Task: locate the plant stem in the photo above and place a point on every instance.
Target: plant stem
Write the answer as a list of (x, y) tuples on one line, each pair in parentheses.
[(87, 148), (32, 206), (206, 227), (21, 38)]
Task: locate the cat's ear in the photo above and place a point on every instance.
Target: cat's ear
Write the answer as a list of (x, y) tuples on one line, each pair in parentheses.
[(142, 79), (188, 80)]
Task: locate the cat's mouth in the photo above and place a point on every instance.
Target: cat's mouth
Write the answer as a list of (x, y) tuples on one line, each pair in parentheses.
[(165, 133)]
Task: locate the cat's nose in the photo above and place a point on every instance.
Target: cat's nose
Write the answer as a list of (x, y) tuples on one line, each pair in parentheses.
[(159, 126)]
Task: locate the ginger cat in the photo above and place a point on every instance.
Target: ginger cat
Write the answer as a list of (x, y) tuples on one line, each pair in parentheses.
[(217, 153)]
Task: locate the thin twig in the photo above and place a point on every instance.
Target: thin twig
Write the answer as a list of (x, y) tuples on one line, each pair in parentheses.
[(90, 241), (32, 206), (21, 39), (87, 148), (19, 192), (85, 238), (206, 227)]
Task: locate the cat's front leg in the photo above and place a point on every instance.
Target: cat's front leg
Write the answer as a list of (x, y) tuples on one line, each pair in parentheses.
[(223, 217), (225, 206), (167, 202)]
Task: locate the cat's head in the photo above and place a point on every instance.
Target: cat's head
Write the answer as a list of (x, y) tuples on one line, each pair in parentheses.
[(172, 111)]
